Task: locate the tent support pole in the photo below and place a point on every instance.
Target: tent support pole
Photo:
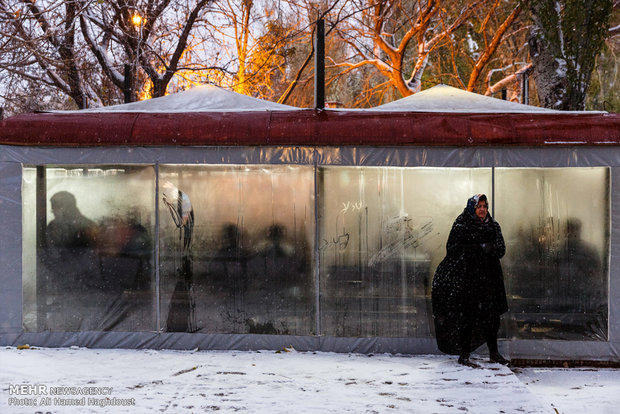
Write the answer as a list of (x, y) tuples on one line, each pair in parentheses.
[(317, 257), (319, 65), (41, 224), (157, 307)]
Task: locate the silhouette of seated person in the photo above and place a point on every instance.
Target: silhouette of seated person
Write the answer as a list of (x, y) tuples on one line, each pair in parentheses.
[(535, 257), (229, 266), (277, 260), (582, 278), (125, 250), (70, 263), (125, 253), (71, 242)]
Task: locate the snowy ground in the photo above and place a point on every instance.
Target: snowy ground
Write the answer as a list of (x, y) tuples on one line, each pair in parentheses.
[(146, 381)]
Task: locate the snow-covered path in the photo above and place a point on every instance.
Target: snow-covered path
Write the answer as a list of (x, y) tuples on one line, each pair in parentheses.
[(574, 390), (147, 381)]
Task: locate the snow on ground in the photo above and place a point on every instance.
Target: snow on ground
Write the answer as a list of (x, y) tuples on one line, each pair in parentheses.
[(148, 381), (574, 390)]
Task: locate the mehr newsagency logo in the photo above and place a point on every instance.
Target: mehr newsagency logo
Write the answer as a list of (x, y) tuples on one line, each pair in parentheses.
[(42, 395)]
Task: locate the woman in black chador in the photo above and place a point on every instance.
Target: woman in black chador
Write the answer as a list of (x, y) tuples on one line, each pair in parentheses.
[(468, 292)]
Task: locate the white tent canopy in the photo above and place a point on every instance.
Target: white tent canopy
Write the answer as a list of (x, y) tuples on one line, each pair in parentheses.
[(207, 98), (210, 98), (444, 98)]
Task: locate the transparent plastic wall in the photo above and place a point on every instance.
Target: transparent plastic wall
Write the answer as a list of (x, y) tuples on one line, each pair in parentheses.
[(237, 252), (87, 240), (382, 233), (237, 249), (556, 225)]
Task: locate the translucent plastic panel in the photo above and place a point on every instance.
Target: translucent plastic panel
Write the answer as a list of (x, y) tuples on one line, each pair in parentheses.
[(383, 232), (556, 225), (88, 248), (237, 249)]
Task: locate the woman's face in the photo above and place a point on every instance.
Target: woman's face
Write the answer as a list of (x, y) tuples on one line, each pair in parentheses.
[(482, 209)]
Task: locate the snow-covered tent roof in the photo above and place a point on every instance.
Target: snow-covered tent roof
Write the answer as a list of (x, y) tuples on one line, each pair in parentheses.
[(207, 98), (444, 98), (210, 98)]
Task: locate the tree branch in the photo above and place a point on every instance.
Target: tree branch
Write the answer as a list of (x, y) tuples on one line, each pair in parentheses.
[(491, 48)]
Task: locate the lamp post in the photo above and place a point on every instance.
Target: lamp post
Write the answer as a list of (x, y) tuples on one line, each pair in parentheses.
[(128, 85)]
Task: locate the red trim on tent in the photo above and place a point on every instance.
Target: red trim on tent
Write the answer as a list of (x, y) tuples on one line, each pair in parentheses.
[(310, 127)]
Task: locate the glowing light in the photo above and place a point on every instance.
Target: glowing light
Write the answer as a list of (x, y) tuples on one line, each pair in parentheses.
[(137, 20), (146, 92)]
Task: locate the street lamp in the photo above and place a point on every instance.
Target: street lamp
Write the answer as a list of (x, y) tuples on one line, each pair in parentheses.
[(137, 20)]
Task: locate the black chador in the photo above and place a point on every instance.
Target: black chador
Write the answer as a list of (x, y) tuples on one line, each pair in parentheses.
[(468, 293)]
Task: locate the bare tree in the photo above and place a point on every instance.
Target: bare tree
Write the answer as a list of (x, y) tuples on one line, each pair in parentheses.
[(313, 13), (604, 91), (408, 42), (485, 52), (258, 37), (41, 45), (615, 30), (490, 43), (100, 52), (149, 35), (397, 37)]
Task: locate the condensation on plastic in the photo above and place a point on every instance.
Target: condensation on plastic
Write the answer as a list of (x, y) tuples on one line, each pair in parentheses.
[(383, 231), (556, 226), (349, 180), (248, 267), (91, 268)]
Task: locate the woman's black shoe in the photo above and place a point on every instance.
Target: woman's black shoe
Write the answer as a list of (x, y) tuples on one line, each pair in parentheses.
[(463, 360), (498, 358)]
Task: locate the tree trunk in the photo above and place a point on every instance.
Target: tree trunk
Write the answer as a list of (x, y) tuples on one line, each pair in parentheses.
[(548, 72), (565, 40)]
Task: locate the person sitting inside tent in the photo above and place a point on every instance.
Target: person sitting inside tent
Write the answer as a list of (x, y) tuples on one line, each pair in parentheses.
[(70, 261)]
